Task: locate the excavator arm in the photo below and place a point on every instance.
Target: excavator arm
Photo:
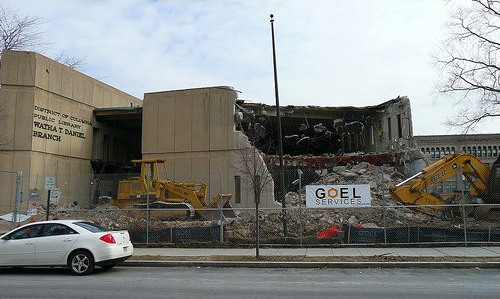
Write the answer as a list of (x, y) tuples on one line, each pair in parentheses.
[(414, 191)]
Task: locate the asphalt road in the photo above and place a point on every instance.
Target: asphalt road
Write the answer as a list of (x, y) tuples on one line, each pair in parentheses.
[(236, 283)]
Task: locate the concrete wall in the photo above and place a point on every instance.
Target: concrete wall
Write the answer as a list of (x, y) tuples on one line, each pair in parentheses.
[(47, 122), (393, 126), (194, 130)]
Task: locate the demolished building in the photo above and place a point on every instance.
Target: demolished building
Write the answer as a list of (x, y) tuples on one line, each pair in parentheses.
[(314, 131), (209, 133), (319, 138), (80, 129)]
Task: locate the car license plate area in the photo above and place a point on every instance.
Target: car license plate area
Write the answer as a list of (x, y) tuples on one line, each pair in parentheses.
[(119, 238)]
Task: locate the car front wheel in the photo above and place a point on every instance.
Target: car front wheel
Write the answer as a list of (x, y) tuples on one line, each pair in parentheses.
[(81, 263)]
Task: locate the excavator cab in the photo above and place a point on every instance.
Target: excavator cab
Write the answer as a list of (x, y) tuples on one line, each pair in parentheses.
[(492, 196), (494, 184)]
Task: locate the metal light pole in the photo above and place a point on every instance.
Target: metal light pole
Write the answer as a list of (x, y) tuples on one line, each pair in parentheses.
[(299, 171), (384, 211), (281, 188), (221, 210), (464, 216), (17, 200), (256, 191), (147, 208)]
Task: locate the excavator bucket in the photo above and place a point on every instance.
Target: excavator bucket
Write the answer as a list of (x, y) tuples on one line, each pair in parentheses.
[(213, 211), (487, 213)]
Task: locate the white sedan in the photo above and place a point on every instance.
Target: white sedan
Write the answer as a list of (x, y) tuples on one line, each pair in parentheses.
[(78, 244)]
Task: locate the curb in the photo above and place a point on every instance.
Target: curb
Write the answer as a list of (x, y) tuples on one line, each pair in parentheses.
[(304, 265)]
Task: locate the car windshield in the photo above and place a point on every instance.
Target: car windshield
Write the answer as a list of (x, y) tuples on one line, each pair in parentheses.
[(92, 227)]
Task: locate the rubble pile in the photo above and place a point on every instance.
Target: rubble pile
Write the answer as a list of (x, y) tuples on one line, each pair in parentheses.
[(313, 221), (112, 217), (300, 221)]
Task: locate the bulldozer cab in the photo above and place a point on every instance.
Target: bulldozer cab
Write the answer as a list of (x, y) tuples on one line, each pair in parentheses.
[(154, 169)]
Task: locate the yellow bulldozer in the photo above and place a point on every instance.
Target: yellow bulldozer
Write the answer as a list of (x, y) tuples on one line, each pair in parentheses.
[(168, 199)]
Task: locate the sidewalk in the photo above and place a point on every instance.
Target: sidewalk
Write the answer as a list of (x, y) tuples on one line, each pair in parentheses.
[(193, 257), (324, 252)]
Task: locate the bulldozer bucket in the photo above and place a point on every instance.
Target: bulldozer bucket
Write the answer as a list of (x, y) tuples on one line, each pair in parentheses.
[(214, 213)]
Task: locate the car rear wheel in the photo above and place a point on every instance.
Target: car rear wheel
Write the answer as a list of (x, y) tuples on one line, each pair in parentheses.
[(81, 263)]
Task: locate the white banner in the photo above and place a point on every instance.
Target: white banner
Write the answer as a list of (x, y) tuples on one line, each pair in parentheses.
[(19, 217), (338, 196)]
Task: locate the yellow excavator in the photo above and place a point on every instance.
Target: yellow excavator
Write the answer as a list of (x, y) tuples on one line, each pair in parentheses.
[(169, 199), (483, 187)]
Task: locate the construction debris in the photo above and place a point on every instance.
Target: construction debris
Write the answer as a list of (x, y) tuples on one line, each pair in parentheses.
[(300, 220)]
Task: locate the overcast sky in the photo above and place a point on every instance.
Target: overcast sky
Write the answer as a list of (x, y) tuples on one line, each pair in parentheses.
[(329, 53)]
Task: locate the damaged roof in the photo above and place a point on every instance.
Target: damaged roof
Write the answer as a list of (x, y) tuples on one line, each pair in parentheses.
[(315, 130), (292, 109)]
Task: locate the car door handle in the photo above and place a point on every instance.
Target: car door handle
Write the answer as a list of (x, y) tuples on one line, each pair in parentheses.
[(68, 240), (30, 243)]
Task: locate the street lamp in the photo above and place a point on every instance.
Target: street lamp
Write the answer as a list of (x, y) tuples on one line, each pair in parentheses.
[(281, 187)]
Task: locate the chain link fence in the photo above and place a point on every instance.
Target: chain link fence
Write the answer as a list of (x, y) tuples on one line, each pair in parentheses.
[(8, 187), (385, 222), (11, 189)]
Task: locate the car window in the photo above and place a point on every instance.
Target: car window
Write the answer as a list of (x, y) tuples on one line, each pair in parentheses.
[(31, 231), (92, 227), (56, 229)]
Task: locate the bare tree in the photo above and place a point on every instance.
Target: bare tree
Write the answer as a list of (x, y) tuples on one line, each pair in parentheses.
[(249, 161), (250, 165), (20, 33), (24, 33), (469, 62), (74, 63)]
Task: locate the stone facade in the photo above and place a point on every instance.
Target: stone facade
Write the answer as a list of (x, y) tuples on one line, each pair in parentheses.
[(194, 129), (47, 124), (484, 146)]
